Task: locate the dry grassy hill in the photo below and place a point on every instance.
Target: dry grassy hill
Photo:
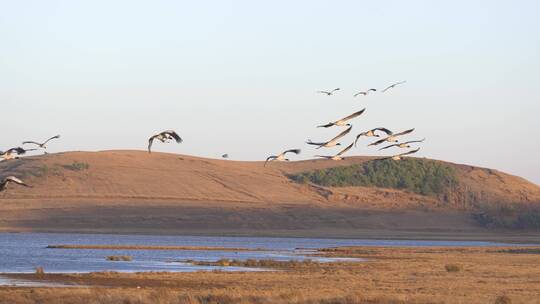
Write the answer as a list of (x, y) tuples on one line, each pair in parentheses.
[(132, 191)]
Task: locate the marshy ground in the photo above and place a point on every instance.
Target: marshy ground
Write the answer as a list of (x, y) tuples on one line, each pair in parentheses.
[(391, 275)]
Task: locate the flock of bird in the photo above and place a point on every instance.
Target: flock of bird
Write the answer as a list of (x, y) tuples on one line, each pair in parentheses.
[(170, 136), (389, 136)]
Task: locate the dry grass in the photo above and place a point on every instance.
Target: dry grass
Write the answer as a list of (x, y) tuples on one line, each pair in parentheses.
[(39, 271), (391, 275), (125, 258), (452, 267), (252, 263)]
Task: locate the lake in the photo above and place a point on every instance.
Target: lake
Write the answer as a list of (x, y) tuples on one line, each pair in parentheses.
[(22, 252)]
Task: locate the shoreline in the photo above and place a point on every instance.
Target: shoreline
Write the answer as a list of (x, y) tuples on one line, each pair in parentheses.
[(504, 237)]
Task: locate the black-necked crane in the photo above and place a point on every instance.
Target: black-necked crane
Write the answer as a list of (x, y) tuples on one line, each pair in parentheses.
[(339, 155), (393, 86), (43, 144), (343, 121), (403, 144), (332, 142), (329, 92), (364, 92), (14, 153), (281, 156), (400, 156), (12, 179), (391, 138), (164, 137), (371, 133)]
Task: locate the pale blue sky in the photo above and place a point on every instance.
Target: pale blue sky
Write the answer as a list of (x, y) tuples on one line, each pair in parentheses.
[(240, 77)]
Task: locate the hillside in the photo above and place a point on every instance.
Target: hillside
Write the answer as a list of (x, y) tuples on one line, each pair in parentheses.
[(132, 191)]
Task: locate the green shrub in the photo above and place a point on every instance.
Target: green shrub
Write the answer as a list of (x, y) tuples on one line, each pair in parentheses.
[(421, 176)]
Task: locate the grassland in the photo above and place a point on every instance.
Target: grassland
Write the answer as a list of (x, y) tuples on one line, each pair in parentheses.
[(391, 275)]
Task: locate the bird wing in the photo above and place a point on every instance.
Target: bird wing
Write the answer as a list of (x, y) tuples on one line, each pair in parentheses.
[(353, 115), (323, 156), (295, 151), (150, 142), (309, 142), (31, 142), (374, 90), (389, 146), (409, 152), (359, 93), (18, 150), (358, 137), (16, 180), (385, 130), (414, 141), (346, 149), (174, 135), (378, 142), (340, 135), (393, 85), (336, 89), (328, 125), (269, 159), (54, 137), (404, 132), (324, 92)]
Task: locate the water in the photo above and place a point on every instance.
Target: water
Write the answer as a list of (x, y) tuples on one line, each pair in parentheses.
[(22, 252)]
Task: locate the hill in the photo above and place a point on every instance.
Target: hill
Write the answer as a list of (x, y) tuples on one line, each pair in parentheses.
[(133, 191)]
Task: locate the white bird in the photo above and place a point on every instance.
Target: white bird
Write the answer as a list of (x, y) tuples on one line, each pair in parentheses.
[(14, 153), (337, 156), (403, 144), (400, 156), (41, 145), (371, 133), (12, 179), (391, 138), (281, 156), (332, 142), (343, 121), (329, 92), (393, 86), (164, 137), (365, 92)]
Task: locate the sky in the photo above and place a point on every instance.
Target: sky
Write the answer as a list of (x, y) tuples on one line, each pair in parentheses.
[(240, 77)]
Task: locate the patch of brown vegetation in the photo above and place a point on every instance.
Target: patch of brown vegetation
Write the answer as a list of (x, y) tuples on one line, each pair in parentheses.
[(391, 275)]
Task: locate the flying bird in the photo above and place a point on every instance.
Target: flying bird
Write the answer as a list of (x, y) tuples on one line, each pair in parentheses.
[(164, 137), (12, 179), (365, 92), (337, 156), (403, 144), (329, 92), (391, 138), (281, 156), (393, 86), (14, 153), (225, 156), (400, 156), (41, 145), (332, 142), (371, 133), (343, 121)]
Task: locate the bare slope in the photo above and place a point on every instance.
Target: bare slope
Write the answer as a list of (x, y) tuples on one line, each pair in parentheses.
[(132, 191)]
